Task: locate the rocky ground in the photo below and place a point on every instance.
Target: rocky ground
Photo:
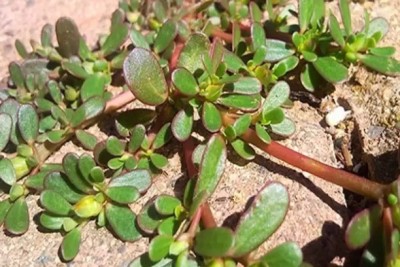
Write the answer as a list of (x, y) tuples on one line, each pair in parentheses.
[(368, 141)]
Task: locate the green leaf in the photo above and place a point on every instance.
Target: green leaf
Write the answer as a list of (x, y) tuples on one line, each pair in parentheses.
[(278, 95), (43, 104), (330, 69), (277, 50), (211, 166), (144, 261), (55, 136), (87, 139), (138, 40), (28, 123), (84, 50), (262, 134), (90, 109), (285, 128), (169, 226), (182, 124), (55, 203), (310, 78), (115, 164), (7, 173), (385, 65), (259, 55), (383, 51), (346, 17), (93, 86), (256, 13), (262, 219), (285, 65), (274, 116), (242, 124), (137, 137), (21, 49), (17, 218), (16, 74), (114, 146), (193, 51), (149, 219), (71, 169), (36, 181), (241, 102), (123, 194), (50, 221), (335, 30), (5, 130), (243, 149), (116, 38), (68, 37), (165, 36), (162, 137), (318, 13), (127, 120), (141, 179), (11, 107), (305, 12), (86, 164), (75, 69), (58, 183), (287, 254), (5, 206), (46, 35), (211, 117), (214, 242), (159, 247), (378, 24), (159, 160), (96, 175), (122, 221), (362, 226), (166, 205), (245, 86), (233, 62), (217, 54), (70, 245), (184, 82), (145, 77)]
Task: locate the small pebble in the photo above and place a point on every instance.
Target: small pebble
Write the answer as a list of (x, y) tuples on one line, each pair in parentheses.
[(336, 116)]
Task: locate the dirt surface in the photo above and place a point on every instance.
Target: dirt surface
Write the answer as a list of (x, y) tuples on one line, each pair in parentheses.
[(318, 210)]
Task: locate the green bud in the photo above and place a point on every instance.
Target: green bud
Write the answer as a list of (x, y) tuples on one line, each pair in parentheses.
[(87, 207), (178, 247), (101, 219), (351, 57), (229, 263), (71, 94), (396, 215), (216, 263), (392, 199), (100, 65)]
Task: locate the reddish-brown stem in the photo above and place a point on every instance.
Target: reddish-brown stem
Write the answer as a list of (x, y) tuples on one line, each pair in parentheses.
[(339, 177), (175, 56), (119, 101), (195, 223), (207, 217)]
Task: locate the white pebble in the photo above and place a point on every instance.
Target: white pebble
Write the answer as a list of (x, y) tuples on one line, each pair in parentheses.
[(336, 116)]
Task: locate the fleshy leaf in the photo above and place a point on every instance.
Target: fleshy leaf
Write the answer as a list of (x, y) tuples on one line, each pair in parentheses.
[(346, 17), (383, 51), (378, 24), (214, 242), (87, 139), (93, 86), (287, 254), (68, 37), (137, 137), (385, 65), (241, 102), (158, 160), (123, 194), (70, 245), (262, 134), (114, 146), (7, 173), (139, 179), (284, 128), (310, 78), (211, 166), (17, 218), (58, 182), (262, 219), (335, 30), (165, 204), (165, 36), (305, 12), (182, 124), (28, 123), (117, 37), (185, 82), (163, 136), (193, 51), (243, 149), (362, 226), (330, 69), (5, 130), (159, 247), (278, 95), (138, 40), (149, 219), (11, 107), (277, 50), (71, 169), (55, 203), (245, 86), (211, 117), (122, 221), (145, 77), (50, 221)]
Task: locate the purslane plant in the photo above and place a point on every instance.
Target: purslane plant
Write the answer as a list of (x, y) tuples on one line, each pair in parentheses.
[(217, 69)]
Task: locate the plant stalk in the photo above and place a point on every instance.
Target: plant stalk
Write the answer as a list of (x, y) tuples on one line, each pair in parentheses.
[(349, 181)]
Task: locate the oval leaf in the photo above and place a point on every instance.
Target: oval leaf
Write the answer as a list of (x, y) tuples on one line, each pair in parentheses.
[(5, 129), (17, 218), (185, 82), (122, 221), (288, 254), (330, 69), (145, 77), (262, 219), (182, 124), (214, 242), (28, 123), (123, 194), (7, 173), (55, 203), (211, 117), (192, 53), (70, 245)]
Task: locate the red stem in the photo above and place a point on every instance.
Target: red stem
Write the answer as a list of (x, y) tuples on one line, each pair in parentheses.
[(339, 177)]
